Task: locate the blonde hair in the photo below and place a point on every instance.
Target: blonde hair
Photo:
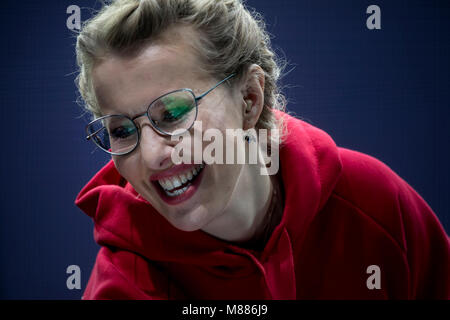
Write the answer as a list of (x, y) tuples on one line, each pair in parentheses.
[(232, 39)]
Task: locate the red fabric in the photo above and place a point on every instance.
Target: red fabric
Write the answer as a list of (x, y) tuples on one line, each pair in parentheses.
[(344, 211)]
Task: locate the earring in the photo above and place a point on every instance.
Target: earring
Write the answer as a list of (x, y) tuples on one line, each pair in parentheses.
[(249, 137)]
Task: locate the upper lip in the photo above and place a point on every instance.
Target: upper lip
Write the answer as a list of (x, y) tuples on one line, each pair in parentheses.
[(171, 171)]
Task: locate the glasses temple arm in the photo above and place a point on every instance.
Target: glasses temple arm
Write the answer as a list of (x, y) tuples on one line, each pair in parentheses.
[(93, 134), (218, 84)]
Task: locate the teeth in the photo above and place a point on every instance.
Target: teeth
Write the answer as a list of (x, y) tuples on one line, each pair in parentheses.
[(171, 183), (176, 192), (166, 184), (176, 181)]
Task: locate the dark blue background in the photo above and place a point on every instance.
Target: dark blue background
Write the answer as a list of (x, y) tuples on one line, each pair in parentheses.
[(383, 92)]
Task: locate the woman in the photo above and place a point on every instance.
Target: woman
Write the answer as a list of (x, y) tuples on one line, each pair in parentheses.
[(330, 223)]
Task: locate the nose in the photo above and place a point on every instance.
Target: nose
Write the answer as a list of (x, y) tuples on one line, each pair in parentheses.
[(155, 149)]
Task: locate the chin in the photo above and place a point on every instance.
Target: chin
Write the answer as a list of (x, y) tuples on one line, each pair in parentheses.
[(189, 221)]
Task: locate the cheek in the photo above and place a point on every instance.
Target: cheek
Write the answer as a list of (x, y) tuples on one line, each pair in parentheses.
[(118, 163), (224, 115), (127, 168), (219, 190)]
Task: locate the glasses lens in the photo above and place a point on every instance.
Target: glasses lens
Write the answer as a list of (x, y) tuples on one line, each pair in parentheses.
[(114, 134), (174, 111)]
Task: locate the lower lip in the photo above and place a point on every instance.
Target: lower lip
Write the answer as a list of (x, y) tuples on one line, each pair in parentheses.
[(185, 195)]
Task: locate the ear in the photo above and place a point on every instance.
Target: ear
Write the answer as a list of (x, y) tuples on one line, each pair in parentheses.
[(253, 96)]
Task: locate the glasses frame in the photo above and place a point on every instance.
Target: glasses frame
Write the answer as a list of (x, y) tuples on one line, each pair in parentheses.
[(92, 136)]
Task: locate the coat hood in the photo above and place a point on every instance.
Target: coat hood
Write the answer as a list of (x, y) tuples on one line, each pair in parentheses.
[(310, 166)]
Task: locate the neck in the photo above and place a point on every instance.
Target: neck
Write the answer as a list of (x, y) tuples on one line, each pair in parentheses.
[(245, 214)]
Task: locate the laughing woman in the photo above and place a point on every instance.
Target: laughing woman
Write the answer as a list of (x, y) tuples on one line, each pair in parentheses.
[(151, 71)]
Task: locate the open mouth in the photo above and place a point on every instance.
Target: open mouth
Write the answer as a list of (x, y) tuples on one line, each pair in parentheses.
[(177, 185), (180, 187)]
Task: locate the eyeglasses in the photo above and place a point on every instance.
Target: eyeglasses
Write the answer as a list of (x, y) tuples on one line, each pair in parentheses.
[(173, 113)]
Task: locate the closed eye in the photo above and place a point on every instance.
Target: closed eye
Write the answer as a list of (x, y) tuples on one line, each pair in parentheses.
[(122, 132)]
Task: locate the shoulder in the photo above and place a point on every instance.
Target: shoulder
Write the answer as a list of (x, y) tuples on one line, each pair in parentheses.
[(376, 191), (373, 190), (367, 174), (370, 189)]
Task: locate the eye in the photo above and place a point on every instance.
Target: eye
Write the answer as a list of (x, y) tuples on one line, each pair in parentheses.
[(172, 110), (122, 132), (176, 112)]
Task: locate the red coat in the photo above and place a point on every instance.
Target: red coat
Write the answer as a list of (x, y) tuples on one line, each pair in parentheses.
[(344, 211)]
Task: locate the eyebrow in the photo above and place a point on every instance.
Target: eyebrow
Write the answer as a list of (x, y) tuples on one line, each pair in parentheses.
[(198, 96), (133, 116), (129, 115)]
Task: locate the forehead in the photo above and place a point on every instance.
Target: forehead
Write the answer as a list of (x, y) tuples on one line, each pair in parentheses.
[(126, 84)]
